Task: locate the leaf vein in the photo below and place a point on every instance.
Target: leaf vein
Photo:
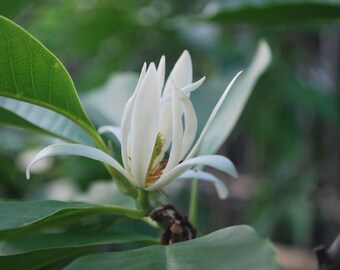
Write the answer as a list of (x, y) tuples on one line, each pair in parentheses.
[(31, 68), (50, 85), (11, 63)]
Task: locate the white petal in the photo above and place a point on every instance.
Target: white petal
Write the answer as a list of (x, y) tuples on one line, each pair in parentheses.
[(166, 123), (190, 124), (161, 71), (212, 116), (180, 77), (192, 87), (181, 74), (142, 74), (145, 124), (115, 130), (76, 150), (221, 189), (187, 89), (218, 162), (215, 161), (177, 131), (166, 127), (126, 124)]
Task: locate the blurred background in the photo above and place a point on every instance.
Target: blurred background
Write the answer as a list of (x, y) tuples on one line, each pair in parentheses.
[(286, 145)]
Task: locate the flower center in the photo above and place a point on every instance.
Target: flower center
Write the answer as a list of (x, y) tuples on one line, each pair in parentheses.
[(155, 173)]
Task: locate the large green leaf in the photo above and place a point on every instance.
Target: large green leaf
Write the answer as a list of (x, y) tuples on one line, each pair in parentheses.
[(37, 259), (30, 73), (43, 241), (39, 249), (234, 248), (38, 119), (272, 11), (18, 217), (235, 101)]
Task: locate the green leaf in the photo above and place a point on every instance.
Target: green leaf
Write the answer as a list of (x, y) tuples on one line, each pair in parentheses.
[(272, 11), (43, 241), (19, 217), (36, 260), (30, 73), (235, 101), (234, 248), (40, 249), (38, 119)]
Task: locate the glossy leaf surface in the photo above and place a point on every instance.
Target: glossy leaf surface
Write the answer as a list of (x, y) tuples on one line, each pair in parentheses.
[(234, 248), (30, 73)]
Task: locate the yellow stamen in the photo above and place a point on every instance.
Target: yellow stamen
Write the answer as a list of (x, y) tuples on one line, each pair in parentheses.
[(155, 173)]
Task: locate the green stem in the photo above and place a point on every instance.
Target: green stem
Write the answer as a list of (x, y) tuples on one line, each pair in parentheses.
[(193, 202), (143, 201)]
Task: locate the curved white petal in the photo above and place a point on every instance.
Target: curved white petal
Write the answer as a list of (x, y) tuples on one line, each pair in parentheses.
[(180, 77), (212, 116), (181, 74), (165, 128), (192, 87), (177, 131), (221, 188), (126, 124), (76, 150), (115, 130), (161, 71), (215, 161), (166, 115), (190, 124), (144, 124), (187, 89), (142, 74)]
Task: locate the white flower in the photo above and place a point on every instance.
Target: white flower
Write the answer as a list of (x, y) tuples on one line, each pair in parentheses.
[(159, 120)]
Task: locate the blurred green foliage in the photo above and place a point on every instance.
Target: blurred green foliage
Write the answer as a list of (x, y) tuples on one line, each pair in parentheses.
[(287, 141)]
